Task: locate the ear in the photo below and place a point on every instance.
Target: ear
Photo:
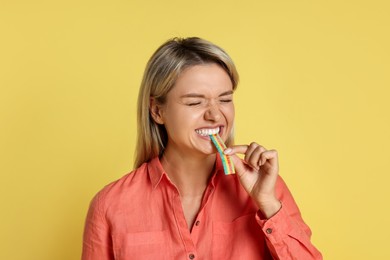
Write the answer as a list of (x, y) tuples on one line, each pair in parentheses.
[(156, 111)]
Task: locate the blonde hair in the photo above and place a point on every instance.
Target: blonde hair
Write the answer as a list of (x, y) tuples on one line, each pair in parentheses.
[(161, 73)]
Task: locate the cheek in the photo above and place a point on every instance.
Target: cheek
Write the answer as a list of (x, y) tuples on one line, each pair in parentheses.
[(192, 115), (230, 112), (180, 118)]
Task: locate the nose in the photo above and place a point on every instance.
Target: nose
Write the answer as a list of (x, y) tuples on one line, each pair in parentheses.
[(213, 112)]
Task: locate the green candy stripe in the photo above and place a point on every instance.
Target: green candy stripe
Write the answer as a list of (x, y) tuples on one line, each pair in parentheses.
[(228, 166)]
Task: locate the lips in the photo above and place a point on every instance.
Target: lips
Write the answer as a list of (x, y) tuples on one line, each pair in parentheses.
[(208, 131)]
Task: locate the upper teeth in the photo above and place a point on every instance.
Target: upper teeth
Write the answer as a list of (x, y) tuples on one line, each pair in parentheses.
[(208, 131)]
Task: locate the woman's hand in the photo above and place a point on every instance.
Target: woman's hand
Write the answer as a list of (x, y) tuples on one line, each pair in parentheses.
[(258, 174)]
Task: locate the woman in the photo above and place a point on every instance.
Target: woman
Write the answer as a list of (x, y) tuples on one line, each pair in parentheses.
[(178, 203)]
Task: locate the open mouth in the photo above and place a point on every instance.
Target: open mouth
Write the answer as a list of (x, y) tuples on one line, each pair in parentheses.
[(208, 131)]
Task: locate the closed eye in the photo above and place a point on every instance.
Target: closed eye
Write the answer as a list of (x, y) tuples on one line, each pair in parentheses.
[(226, 100), (193, 104)]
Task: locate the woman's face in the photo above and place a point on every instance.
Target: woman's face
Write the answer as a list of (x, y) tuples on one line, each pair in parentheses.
[(200, 103)]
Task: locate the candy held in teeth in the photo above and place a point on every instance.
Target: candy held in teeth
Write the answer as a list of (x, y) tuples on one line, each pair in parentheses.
[(227, 163)]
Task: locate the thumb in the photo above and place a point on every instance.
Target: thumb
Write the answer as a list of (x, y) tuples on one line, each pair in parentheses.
[(239, 165)]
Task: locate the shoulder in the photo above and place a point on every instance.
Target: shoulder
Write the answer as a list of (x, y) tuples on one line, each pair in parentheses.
[(123, 188)]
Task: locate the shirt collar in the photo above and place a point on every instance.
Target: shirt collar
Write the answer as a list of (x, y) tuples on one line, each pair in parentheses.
[(156, 171)]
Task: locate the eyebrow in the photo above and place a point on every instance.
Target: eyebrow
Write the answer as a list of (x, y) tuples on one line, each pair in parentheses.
[(195, 95)]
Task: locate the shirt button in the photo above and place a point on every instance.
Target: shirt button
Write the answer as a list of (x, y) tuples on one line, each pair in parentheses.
[(191, 256), (197, 223), (268, 230)]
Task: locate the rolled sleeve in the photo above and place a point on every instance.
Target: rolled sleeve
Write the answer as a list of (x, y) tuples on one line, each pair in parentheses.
[(287, 235)]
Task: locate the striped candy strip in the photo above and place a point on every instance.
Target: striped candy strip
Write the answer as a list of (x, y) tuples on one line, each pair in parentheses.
[(227, 163)]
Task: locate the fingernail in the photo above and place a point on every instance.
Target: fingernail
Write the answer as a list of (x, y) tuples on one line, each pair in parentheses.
[(227, 151)]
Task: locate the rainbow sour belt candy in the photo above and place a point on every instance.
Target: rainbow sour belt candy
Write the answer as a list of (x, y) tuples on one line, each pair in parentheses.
[(227, 163)]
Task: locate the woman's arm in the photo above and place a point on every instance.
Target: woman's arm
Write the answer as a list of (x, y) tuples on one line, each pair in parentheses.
[(287, 235)]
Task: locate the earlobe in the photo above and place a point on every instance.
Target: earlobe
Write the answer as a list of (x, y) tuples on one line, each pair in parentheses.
[(155, 111)]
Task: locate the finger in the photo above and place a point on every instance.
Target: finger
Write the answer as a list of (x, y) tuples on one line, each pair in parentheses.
[(254, 158), (240, 149), (249, 153), (270, 155)]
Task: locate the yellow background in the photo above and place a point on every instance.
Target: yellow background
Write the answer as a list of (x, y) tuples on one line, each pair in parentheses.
[(314, 85)]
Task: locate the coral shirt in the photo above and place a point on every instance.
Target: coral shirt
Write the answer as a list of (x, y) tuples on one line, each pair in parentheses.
[(140, 216)]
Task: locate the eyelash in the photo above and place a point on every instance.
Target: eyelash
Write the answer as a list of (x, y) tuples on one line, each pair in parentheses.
[(222, 101), (194, 104), (226, 100)]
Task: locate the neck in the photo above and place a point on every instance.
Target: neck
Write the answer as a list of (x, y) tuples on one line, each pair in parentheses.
[(190, 174)]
